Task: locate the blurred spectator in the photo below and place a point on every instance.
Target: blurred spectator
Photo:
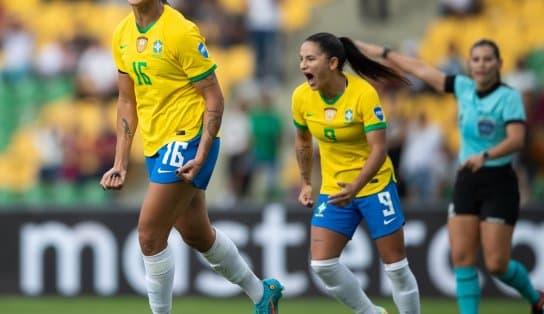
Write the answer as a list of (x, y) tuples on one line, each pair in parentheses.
[(525, 81), (377, 9), (48, 143), (233, 30), (104, 150), (460, 8), (18, 46), (453, 62), (209, 18), (55, 58), (422, 160), (98, 147), (263, 25), (267, 132), (534, 152), (522, 79), (187, 7), (2, 15), (96, 72), (396, 135), (80, 41), (235, 145), (410, 48), (70, 169), (217, 26)]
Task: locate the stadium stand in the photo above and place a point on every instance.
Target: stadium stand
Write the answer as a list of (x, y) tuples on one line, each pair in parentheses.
[(38, 104)]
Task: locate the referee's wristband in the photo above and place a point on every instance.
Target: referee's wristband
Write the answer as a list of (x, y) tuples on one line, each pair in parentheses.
[(385, 52)]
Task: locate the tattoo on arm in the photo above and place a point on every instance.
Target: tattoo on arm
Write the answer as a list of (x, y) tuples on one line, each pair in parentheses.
[(214, 118), (304, 158), (126, 128)]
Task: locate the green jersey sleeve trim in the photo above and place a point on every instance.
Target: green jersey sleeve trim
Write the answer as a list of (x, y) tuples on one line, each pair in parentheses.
[(203, 75), (300, 126), (377, 126)]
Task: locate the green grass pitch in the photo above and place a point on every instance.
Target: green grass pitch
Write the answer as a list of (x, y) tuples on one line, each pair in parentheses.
[(201, 305)]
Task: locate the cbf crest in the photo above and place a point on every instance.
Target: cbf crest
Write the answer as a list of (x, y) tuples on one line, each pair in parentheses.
[(157, 46), (141, 44), (348, 115)]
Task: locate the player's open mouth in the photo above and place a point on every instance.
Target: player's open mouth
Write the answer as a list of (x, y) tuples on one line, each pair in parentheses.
[(310, 78)]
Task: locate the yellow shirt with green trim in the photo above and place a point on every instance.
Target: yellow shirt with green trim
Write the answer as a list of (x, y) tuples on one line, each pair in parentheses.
[(163, 60), (340, 126)]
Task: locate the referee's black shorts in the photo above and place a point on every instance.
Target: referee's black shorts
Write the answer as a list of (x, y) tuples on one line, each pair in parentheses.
[(490, 193)]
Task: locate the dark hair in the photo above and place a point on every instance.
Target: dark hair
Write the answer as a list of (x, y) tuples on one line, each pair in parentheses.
[(490, 43), (344, 49)]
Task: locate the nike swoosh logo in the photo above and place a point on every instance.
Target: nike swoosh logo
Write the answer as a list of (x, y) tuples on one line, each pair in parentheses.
[(386, 222), (123, 46), (164, 171), (309, 114)]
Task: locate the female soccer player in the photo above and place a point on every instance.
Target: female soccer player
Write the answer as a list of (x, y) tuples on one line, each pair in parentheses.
[(167, 85), (486, 199), (343, 112)]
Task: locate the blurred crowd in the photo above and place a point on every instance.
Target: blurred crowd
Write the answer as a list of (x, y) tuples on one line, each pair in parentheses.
[(77, 75), (74, 143)]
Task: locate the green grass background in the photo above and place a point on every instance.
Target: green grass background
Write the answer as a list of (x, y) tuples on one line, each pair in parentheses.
[(202, 305)]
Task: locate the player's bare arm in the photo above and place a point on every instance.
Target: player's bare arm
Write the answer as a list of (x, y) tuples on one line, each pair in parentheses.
[(211, 91), (304, 150), (303, 147), (213, 114), (127, 121), (126, 127)]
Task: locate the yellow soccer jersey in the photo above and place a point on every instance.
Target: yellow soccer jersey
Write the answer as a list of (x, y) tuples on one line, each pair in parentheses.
[(339, 127), (163, 60)]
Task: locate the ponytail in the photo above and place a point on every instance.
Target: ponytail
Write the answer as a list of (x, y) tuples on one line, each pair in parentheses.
[(344, 49), (366, 67)]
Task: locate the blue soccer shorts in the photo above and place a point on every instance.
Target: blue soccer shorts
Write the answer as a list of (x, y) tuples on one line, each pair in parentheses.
[(162, 166), (381, 211)]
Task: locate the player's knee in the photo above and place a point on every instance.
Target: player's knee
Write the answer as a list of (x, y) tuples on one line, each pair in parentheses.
[(151, 243), (462, 258), (200, 240), (196, 243), (496, 265), (324, 268)]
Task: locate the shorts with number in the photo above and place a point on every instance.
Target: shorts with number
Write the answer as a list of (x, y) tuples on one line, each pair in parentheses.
[(381, 211), (162, 166), (490, 193)]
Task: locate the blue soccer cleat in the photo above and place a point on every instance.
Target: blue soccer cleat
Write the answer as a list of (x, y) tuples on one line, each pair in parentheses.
[(271, 296)]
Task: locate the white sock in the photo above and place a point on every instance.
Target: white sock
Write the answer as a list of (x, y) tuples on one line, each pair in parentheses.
[(343, 285), (159, 278), (404, 284), (225, 259)]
